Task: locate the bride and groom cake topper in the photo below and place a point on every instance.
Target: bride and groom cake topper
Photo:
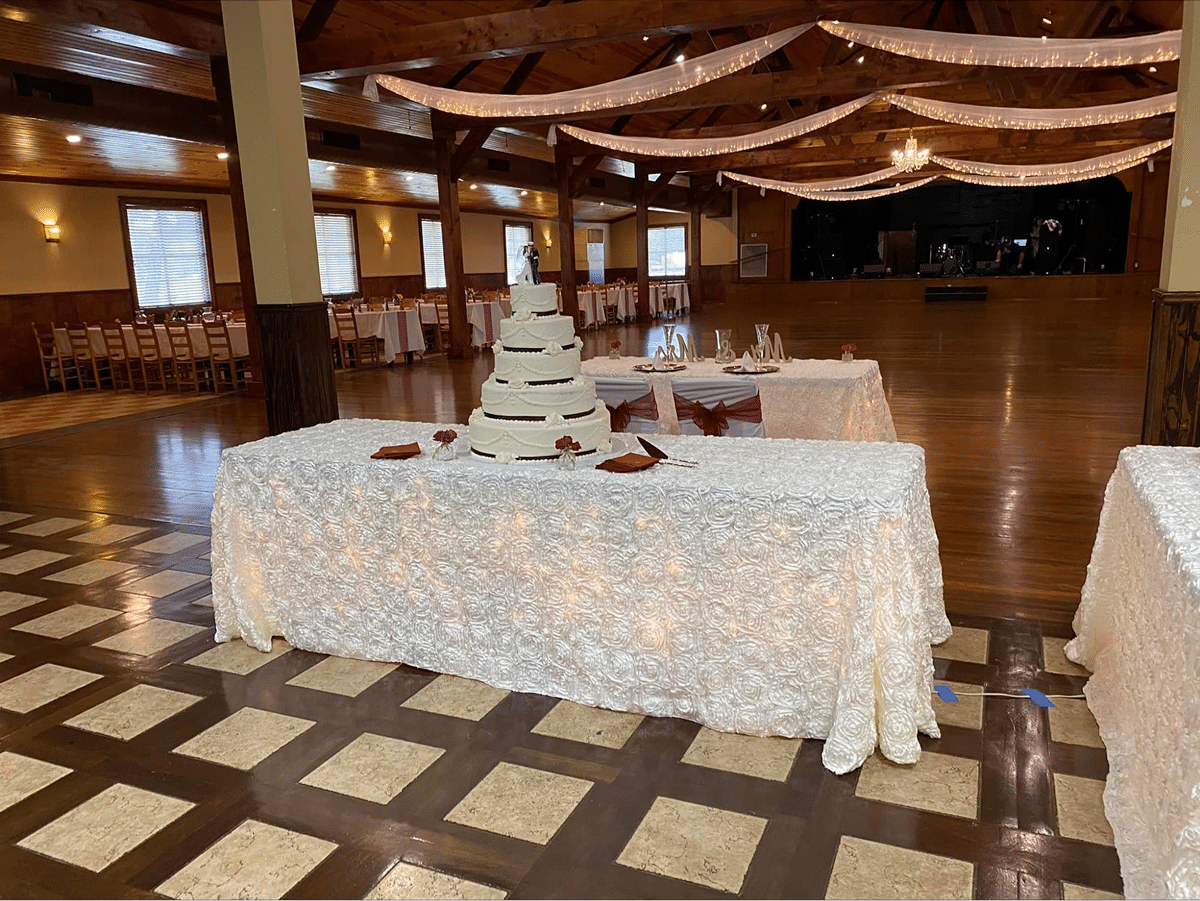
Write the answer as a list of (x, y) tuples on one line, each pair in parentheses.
[(529, 274)]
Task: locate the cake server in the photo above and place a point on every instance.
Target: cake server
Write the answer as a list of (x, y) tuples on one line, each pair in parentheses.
[(661, 456)]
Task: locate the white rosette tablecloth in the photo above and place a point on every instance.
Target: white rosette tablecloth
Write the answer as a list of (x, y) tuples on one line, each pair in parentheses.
[(823, 399), (780, 588), (1138, 630)]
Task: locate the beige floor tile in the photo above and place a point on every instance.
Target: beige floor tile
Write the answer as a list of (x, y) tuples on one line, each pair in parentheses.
[(4, 657), (1073, 892), (44, 527), (150, 637), (164, 583), (699, 844), (205, 601), (1072, 722), (22, 776), (92, 571), (373, 767), (245, 738), (106, 827), (27, 560), (767, 758), (1081, 809), (936, 782), (238, 657), (1056, 660), (255, 860), (342, 675), (964, 644), (67, 621), (47, 683), (966, 712), (404, 881), (11, 601), (864, 869), (452, 696), (520, 802), (109, 534), (170, 544), (7, 516), (133, 712), (589, 725)]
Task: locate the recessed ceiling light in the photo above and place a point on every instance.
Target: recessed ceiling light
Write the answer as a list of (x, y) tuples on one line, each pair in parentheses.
[(474, 186), (680, 58), (223, 155), (73, 139), (330, 167), (1154, 68), (860, 60), (408, 178), (523, 193), (645, 37), (1046, 21), (764, 106)]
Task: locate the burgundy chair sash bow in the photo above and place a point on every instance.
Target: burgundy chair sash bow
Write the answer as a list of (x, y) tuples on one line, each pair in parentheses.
[(715, 422), (644, 407)]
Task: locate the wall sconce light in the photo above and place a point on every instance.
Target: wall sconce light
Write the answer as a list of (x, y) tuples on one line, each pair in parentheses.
[(387, 235), (53, 232)]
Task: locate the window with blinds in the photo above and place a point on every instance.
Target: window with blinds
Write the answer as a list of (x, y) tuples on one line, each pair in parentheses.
[(431, 253), (668, 250), (516, 236), (337, 253), (168, 251)]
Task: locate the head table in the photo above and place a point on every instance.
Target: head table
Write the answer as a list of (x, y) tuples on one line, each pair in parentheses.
[(1138, 630), (822, 399), (779, 588)]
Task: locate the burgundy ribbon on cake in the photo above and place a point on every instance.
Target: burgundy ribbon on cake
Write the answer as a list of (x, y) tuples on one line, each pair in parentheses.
[(644, 407), (716, 421)]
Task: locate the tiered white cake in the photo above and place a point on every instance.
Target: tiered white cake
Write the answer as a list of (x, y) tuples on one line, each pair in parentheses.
[(536, 395)]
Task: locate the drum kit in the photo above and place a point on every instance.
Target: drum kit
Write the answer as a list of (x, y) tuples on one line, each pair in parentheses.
[(953, 255)]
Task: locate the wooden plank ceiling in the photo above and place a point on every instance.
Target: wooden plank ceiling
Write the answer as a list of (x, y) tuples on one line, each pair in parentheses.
[(137, 54)]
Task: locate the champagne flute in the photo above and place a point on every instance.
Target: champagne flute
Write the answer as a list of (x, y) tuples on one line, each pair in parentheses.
[(669, 342)]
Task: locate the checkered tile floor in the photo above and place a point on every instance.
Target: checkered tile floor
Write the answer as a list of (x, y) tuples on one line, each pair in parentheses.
[(71, 408), (138, 757)]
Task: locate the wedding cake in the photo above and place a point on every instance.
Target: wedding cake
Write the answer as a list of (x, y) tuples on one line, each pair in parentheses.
[(536, 395)]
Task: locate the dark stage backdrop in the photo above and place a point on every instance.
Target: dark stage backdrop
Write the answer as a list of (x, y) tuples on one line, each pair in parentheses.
[(830, 239)]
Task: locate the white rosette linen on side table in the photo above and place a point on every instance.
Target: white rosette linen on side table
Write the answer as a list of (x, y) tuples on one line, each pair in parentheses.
[(1138, 630), (780, 588)]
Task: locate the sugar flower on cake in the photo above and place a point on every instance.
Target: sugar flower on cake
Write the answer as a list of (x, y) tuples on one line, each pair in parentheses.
[(555, 419), (516, 384), (567, 443), (497, 347), (604, 446), (504, 457), (553, 349)]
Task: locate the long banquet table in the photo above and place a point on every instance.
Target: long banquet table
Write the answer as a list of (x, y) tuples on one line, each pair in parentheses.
[(821, 399), (238, 342), (1138, 630), (483, 316), (400, 330), (780, 588)]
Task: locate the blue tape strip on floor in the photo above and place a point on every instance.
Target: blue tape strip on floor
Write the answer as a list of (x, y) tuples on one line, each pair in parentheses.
[(944, 692), (1037, 697)]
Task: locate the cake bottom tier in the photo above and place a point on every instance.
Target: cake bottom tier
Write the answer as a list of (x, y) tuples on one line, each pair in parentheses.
[(534, 440)]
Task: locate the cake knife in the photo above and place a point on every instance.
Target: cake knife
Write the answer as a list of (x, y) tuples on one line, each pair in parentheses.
[(661, 456)]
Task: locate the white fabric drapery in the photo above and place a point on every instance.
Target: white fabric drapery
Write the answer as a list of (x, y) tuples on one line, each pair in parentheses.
[(690, 147), (622, 92), (807, 189), (1093, 167), (1031, 119), (1001, 50)]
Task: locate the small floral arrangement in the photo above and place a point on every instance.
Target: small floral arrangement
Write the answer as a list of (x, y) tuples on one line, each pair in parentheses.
[(566, 442), (849, 348), (615, 345), (445, 436)]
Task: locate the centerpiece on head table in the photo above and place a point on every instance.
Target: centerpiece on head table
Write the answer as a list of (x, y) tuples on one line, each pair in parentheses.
[(536, 396)]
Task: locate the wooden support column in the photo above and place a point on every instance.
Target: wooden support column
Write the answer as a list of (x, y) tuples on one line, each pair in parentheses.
[(566, 234), (1172, 412), (641, 191), (456, 293), (276, 200), (695, 285)]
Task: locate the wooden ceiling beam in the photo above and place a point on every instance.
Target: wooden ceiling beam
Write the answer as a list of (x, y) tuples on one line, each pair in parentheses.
[(318, 14), (476, 137), (169, 23), (563, 26)]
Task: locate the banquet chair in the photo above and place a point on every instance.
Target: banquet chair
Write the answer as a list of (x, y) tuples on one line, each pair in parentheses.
[(192, 370), (125, 367), (56, 366), (611, 310), (354, 349), (443, 322), (91, 366), (631, 404), (226, 368), (158, 370), (668, 300), (718, 407)]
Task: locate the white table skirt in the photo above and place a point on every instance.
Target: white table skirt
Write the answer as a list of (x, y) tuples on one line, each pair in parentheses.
[(781, 588), (400, 330), (823, 399), (1138, 630), (238, 342), (484, 318)]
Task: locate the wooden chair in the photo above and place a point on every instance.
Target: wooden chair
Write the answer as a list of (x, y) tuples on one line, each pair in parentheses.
[(92, 367), (354, 350), (56, 366), (191, 369), (443, 322), (125, 367), (224, 363), (156, 367)]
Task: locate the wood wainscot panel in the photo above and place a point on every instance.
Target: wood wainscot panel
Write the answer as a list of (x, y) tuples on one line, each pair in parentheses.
[(1172, 415), (297, 366)]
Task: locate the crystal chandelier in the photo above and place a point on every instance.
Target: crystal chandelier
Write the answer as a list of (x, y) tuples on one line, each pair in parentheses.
[(910, 159)]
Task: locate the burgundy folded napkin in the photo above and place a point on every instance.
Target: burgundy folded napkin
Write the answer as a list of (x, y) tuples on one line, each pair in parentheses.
[(627, 463), (397, 452)]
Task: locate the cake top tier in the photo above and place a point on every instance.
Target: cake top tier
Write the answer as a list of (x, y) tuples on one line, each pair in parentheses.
[(533, 300)]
